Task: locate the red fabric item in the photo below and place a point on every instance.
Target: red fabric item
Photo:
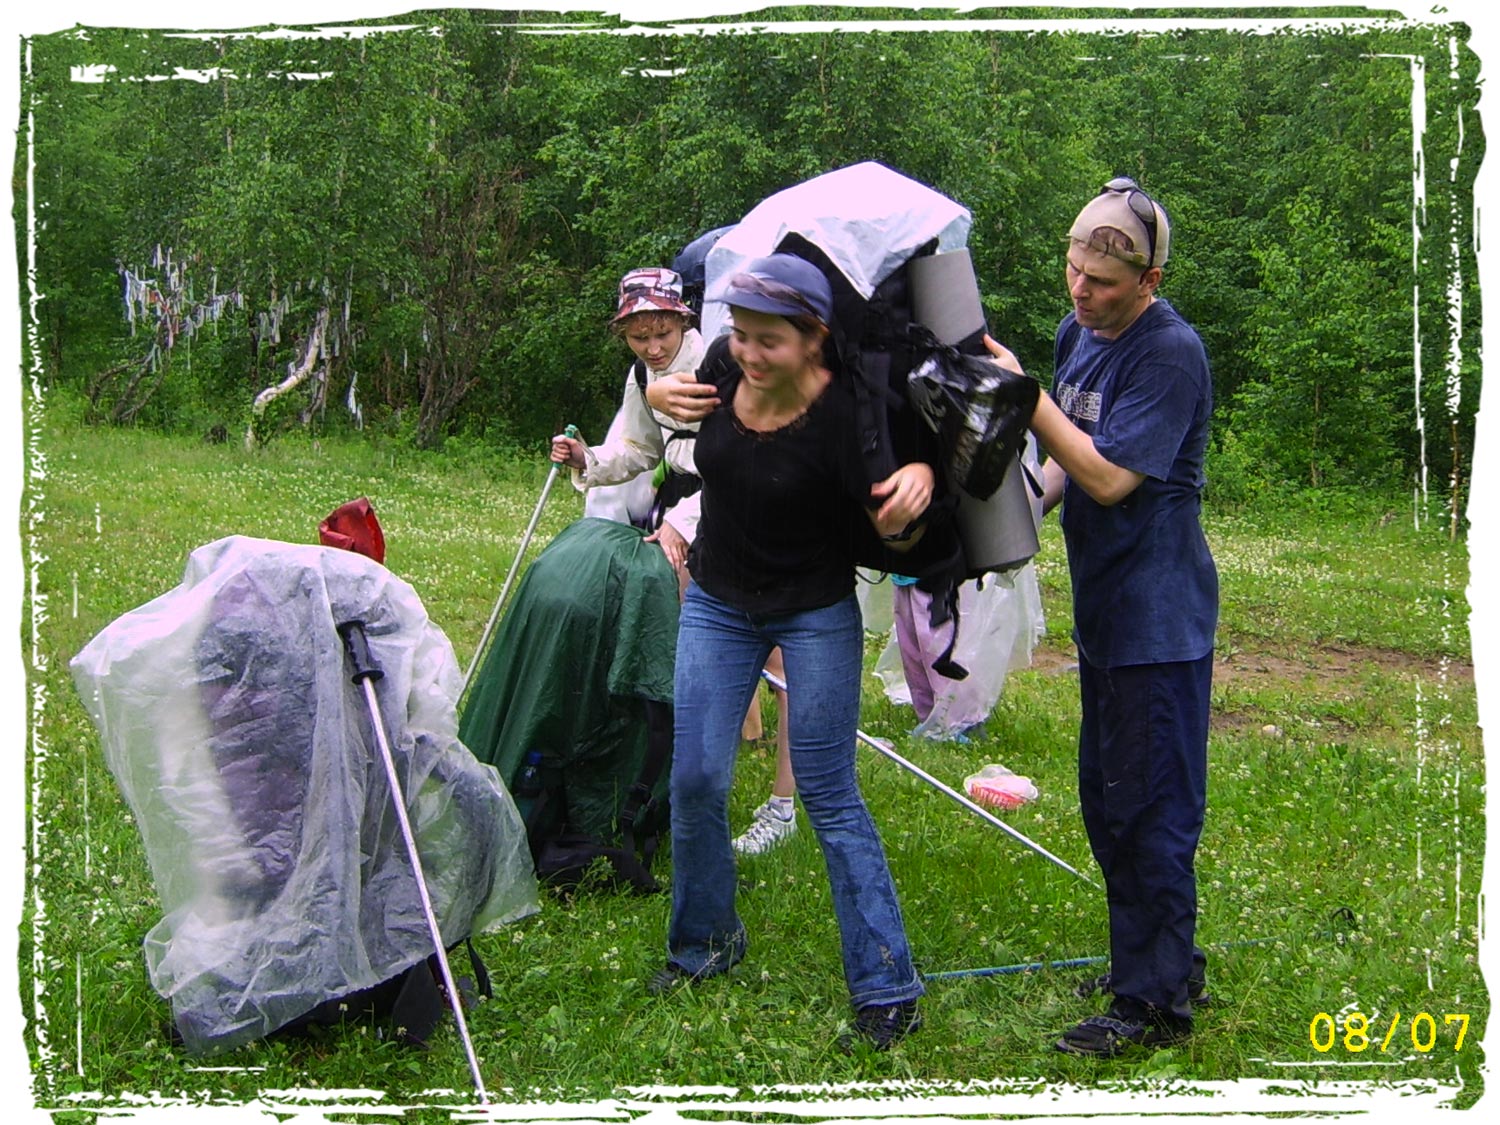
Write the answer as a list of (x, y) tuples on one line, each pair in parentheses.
[(353, 527)]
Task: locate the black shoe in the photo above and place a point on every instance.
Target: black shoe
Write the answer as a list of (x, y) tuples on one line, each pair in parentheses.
[(1198, 994), (1124, 1025), (884, 1025), (670, 976), (665, 979)]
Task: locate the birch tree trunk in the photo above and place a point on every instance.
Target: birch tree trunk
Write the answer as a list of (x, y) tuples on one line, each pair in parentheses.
[(312, 353)]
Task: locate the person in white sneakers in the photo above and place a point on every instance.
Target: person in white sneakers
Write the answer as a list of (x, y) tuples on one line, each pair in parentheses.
[(775, 820)]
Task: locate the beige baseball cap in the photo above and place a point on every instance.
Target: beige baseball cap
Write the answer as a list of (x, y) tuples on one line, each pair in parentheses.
[(1125, 207)]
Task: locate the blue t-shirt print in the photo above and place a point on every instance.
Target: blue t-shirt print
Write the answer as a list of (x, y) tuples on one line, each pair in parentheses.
[(1145, 589)]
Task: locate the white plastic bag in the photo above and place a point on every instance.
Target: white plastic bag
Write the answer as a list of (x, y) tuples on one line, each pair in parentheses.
[(1000, 621), (873, 590)]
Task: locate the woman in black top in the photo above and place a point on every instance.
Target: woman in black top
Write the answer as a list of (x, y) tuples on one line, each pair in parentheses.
[(785, 499)]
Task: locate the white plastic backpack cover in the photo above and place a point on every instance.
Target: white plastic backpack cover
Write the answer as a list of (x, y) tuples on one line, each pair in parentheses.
[(247, 754), (868, 219)]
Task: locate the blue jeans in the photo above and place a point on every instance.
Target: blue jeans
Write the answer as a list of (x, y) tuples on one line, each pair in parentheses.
[(1142, 783), (720, 652)]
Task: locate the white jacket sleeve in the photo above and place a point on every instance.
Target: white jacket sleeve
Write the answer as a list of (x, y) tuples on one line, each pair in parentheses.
[(684, 516), (679, 451), (637, 449)]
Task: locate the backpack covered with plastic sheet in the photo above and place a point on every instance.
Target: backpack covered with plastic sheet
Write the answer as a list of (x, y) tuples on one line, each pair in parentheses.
[(229, 721), (579, 678)]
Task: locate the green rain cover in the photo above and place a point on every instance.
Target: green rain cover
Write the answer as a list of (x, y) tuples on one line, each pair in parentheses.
[(590, 635)]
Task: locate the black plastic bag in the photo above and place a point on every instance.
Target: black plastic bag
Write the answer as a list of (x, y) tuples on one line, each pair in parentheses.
[(980, 412)]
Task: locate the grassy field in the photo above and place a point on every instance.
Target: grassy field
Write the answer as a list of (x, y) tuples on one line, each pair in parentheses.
[(1339, 869)]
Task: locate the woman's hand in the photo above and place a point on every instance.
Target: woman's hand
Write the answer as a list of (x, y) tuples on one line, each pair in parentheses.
[(905, 495), (672, 544), (682, 397), (1006, 357), (568, 451)]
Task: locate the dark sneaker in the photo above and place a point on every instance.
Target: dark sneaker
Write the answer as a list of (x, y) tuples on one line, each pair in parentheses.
[(1124, 1025), (884, 1025), (670, 976), (1198, 992), (666, 979)]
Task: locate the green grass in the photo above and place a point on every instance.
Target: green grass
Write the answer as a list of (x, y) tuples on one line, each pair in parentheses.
[(1339, 870)]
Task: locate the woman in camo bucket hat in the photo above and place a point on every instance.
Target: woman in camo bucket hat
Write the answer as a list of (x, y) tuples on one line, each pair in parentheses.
[(651, 289), (655, 323)]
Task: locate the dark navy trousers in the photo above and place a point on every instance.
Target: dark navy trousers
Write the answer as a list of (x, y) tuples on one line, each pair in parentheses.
[(1142, 783)]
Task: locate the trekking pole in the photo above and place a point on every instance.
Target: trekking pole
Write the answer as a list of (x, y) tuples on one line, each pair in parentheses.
[(1024, 967), (889, 751), (366, 672), (1069, 963), (572, 432)]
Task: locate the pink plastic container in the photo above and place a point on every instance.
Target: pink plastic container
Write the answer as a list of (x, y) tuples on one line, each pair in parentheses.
[(997, 787)]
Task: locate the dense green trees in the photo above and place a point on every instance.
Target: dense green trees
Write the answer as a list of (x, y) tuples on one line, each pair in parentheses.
[(453, 204)]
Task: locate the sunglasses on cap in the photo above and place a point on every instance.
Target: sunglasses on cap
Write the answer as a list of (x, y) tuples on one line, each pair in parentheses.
[(1142, 206), (770, 289)]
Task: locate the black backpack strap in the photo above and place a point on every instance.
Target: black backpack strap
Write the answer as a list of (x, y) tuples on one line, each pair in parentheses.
[(673, 491), (1038, 485), (640, 801), (945, 609), (638, 372), (565, 861), (481, 971), (418, 1007), (544, 818)]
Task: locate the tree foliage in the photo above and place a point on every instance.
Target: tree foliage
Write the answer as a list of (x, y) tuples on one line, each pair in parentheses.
[(456, 201)]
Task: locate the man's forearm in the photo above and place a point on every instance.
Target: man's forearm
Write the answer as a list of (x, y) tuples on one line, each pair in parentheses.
[(1074, 452)]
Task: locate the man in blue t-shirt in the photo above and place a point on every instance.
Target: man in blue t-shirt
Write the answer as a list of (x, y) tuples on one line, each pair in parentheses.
[(1125, 429)]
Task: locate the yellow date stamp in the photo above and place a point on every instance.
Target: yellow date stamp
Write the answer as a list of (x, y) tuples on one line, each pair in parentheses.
[(1357, 1032)]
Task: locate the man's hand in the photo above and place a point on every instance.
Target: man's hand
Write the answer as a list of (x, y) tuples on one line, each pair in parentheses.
[(906, 494), (568, 451), (1004, 355), (682, 397), (672, 544)]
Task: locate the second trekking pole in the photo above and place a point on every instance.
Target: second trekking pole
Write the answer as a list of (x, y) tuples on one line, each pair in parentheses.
[(889, 751), (484, 638)]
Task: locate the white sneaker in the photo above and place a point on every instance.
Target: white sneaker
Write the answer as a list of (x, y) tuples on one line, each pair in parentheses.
[(768, 830)]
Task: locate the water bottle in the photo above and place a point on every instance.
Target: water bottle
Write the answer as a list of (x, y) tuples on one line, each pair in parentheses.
[(528, 785)]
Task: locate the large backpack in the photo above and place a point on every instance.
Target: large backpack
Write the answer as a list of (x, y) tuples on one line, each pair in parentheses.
[(690, 265), (573, 703), (863, 226), (230, 722), (876, 345)]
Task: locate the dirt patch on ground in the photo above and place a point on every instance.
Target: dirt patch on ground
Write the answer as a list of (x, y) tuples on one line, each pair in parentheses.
[(1321, 663), (1336, 664), (1320, 671)]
